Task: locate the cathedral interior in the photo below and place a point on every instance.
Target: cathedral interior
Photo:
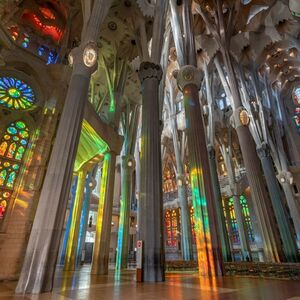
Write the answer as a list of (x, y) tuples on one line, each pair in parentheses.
[(150, 149)]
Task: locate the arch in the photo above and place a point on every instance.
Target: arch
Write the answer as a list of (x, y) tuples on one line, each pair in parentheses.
[(13, 145)]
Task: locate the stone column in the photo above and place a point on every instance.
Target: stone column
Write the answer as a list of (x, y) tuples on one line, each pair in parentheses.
[(150, 202), (43, 245), (186, 229), (127, 168), (287, 236), (66, 235), (259, 194), (89, 185), (103, 225), (208, 247), (70, 259), (226, 252)]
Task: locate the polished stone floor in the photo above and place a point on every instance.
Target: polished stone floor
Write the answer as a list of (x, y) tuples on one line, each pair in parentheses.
[(179, 286)]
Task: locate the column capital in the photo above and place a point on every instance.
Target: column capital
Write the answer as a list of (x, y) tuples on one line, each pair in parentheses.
[(84, 57), (150, 70), (189, 75)]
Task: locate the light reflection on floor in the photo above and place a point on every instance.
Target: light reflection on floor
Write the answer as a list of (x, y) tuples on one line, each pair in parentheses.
[(178, 286)]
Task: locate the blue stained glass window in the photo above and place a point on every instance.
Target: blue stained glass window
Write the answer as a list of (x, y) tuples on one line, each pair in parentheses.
[(15, 94)]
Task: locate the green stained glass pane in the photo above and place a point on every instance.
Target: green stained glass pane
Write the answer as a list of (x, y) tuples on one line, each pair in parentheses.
[(20, 153), (16, 167), (20, 125), (14, 93), (24, 134), (11, 179), (15, 138), (3, 174)]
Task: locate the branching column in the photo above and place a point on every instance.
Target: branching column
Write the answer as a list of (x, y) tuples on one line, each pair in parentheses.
[(258, 190), (40, 258), (150, 203), (226, 252), (209, 252), (288, 239), (43, 245), (103, 224), (127, 169)]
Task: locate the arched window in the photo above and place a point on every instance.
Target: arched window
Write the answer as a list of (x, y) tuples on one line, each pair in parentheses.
[(12, 148), (234, 225), (171, 223), (246, 214), (15, 94)]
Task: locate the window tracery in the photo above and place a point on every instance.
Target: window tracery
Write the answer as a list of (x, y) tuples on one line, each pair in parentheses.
[(12, 148), (15, 94)]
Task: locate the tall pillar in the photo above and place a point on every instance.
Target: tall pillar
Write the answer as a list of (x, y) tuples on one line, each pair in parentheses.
[(127, 168), (151, 203), (66, 235), (43, 245), (226, 252), (209, 252), (70, 259), (261, 202), (103, 224), (287, 236), (84, 216), (185, 220)]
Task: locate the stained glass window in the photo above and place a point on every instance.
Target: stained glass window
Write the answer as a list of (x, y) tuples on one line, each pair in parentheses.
[(246, 214), (12, 148), (296, 95), (234, 225), (171, 222), (15, 94)]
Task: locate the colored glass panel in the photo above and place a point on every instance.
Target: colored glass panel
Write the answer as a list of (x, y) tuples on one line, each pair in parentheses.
[(172, 227), (234, 225), (15, 94), (12, 149), (3, 148), (44, 28), (296, 96)]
